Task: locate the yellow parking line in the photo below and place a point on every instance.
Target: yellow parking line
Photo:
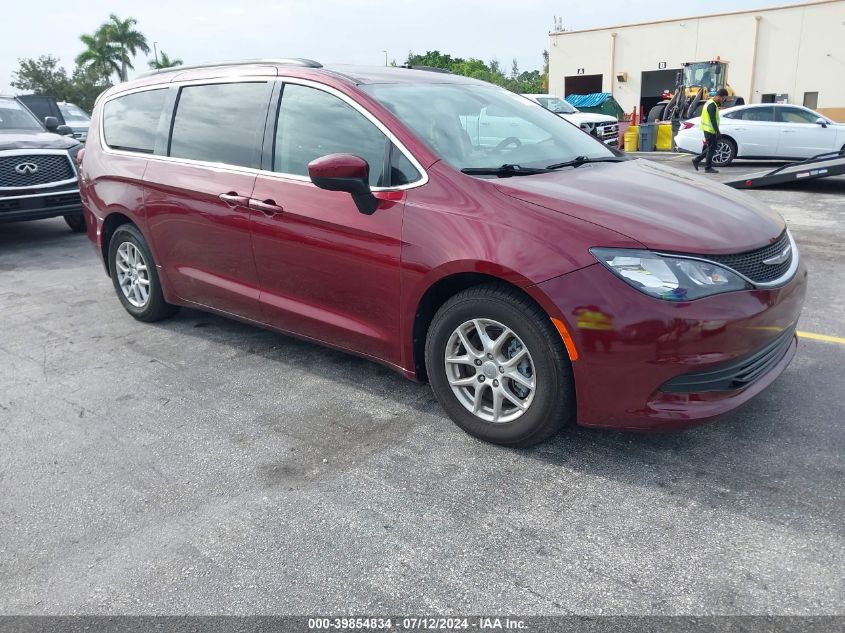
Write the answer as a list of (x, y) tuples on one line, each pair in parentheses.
[(821, 337)]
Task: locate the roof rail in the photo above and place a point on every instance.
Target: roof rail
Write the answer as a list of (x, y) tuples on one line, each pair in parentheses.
[(431, 69), (283, 61)]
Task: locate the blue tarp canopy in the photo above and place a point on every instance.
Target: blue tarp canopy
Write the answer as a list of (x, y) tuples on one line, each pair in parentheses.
[(588, 101), (597, 102)]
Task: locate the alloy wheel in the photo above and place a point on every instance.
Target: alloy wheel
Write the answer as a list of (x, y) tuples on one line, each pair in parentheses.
[(722, 154), (132, 274), (490, 370)]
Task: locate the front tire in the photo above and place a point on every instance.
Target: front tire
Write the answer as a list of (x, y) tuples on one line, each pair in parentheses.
[(499, 368), (76, 222), (725, 152), (135, 277)]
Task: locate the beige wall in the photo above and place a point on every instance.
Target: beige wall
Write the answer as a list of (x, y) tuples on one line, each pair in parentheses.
[(799, 49)]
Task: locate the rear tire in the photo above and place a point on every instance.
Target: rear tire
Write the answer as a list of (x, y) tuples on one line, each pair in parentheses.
[(522, 342), (76, 222), (134, 275), (725, 152)]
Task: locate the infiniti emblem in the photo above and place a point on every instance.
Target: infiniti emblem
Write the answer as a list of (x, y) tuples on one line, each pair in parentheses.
[(779, 258), (26, 168)]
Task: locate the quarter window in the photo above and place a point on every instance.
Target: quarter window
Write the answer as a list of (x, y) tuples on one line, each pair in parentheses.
[(313, 123), (402, 171), (220, 123), (130, 122)]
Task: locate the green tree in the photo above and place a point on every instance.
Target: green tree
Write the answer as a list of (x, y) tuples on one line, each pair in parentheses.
[(99, 56), (164, 62), (122, 35), (44, 76), (433, 59), (85, 87), (521, 82), (41, 76)]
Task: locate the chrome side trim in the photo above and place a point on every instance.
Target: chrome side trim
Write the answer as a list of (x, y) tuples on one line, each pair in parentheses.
[(39, 195), (263, 172), (53, 152)]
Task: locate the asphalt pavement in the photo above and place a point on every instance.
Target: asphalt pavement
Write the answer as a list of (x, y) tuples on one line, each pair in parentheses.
[(203, 466)]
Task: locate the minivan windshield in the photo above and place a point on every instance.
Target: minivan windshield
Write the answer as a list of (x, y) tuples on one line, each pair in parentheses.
[(484, 126), (556, 105), (13, 116)]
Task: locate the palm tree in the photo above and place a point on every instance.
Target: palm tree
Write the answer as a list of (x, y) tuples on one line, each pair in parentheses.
[(164, 62), (100, 56), (126, 39)]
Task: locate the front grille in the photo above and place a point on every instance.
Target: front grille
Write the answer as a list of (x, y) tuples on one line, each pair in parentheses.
[(735, 375), (750, 264), (49, 168)]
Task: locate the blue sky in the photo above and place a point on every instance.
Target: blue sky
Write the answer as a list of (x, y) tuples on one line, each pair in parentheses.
[(327, 30)]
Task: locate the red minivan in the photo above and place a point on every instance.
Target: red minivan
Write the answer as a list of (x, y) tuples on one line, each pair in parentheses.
[(449, 229)]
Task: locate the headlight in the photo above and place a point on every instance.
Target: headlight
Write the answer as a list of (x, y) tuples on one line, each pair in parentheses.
[(669, 278)]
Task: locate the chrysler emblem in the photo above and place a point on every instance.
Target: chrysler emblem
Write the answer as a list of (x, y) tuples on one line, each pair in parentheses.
[(779, 258), (26, 169)]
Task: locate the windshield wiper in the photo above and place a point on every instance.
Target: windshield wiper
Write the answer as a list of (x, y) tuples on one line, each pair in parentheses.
[(505, 171), (580, 160)]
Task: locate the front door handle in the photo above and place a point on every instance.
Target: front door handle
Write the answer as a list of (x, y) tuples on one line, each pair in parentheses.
[(267, 207), (234, 200)]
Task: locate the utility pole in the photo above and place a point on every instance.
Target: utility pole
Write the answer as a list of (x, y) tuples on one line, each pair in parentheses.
[(155, 51), (385, 57)]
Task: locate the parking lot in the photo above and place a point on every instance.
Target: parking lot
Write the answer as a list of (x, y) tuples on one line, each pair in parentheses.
[(201, 465)]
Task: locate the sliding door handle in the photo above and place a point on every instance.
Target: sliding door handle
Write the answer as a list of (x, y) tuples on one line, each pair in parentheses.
[(234, 200), (267, 207)]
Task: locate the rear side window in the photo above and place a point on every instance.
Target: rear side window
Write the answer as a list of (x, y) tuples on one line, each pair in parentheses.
[(130, 122), (313, 123), (220, 123), (766, 113)]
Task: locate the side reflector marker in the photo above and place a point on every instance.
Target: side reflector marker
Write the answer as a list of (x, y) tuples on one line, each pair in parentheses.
[(567, 339)]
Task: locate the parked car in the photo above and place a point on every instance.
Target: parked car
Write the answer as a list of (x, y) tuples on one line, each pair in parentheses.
[(788, 132), (37, 168), (76, 118), (603, 127), (534, 281), (43, 106)]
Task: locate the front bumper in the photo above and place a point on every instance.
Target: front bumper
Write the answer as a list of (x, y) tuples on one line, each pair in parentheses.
[(21, 206), (645, 363)]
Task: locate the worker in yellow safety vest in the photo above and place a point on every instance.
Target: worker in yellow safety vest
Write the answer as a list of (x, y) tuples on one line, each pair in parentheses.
[(710, 126)]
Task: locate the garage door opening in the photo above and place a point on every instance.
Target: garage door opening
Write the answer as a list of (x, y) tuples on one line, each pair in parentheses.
[(582, 84), (652, 85)]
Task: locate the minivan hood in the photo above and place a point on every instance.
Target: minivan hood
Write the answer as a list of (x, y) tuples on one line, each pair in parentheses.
[(34, 140), (662, 208)]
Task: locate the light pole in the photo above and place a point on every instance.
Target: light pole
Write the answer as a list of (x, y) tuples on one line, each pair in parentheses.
[(385, 57), (155, 51)]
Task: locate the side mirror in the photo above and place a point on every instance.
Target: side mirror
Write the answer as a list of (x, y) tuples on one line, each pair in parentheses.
[(51, 123), (64, 130), (821, 122), (345, 172)]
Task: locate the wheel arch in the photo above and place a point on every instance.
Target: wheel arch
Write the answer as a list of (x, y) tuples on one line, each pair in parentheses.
[(730, 138), (110, 225), (441, 290)]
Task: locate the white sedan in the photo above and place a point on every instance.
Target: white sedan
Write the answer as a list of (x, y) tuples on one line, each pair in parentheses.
[(764, 130)]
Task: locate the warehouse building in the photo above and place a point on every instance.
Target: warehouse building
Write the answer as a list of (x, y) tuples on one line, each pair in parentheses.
[(787, 54)]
